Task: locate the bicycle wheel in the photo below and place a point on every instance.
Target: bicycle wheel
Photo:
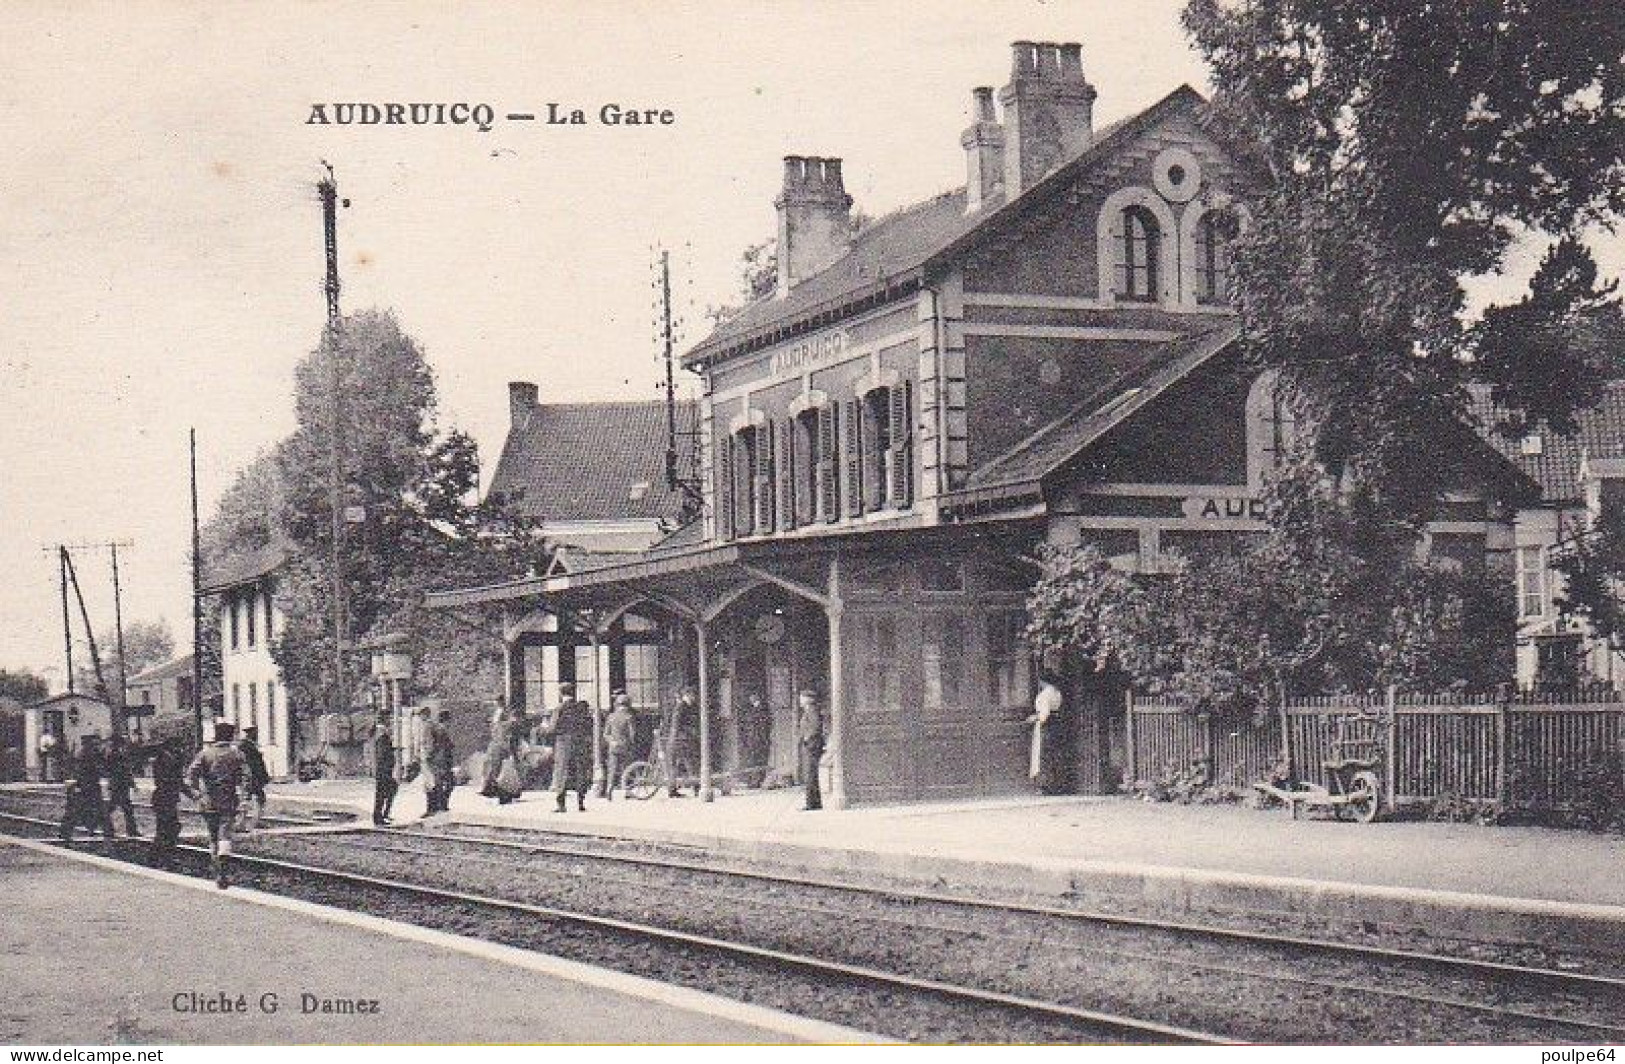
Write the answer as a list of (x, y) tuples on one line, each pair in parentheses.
[(1363, 792), (638, 781)]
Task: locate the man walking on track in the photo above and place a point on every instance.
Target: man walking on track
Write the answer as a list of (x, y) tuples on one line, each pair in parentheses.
[(810, 733), (121, 761), (216, 775), (258, 776), (168, 783), (85, 805)]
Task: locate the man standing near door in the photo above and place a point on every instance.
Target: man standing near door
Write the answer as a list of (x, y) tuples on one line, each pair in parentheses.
[(810, 735)]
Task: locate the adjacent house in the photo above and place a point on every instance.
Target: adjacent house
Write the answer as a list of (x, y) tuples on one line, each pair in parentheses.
[(161, 694), (252, 692), (53, 727)]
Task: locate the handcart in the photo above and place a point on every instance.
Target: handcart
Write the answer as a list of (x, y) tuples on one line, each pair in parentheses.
[(1353, 787)]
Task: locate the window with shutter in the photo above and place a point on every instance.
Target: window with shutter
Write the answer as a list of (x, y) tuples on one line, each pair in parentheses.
[(744, 482), (900, 455), (804, 474), (762, 480), (829, 497), (852, 457), (723, 485), (785, 490), (876, 443)]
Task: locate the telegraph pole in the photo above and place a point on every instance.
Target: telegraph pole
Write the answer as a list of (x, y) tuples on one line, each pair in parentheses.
[(197, 601), (118, 638), (67, 618), (329, 191)]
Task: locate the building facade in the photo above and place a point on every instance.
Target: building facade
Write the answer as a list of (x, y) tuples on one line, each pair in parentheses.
[(252, 691), (1047, 354), (162, 693)]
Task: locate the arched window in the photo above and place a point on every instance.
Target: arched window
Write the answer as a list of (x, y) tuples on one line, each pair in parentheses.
[(1137, 263), (1215, 234)]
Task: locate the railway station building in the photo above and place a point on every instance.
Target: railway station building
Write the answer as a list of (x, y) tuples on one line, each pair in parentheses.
[(1045, 354)]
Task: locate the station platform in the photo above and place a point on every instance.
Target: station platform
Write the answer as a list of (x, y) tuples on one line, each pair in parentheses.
[(1493, 883), (100, 953)]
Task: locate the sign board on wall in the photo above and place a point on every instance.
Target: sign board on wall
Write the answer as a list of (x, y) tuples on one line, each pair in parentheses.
[(1223, 508), (813, 351)]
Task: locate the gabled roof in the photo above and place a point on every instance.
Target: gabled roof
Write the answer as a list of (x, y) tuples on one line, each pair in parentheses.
[(891, 256), (239, 569), (1600, 434), (169, 670), (594, 461)]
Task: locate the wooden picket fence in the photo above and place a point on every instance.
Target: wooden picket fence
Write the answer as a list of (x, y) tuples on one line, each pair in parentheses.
[(1511, 748)]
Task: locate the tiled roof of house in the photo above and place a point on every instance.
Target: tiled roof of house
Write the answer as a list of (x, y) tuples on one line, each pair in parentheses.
[(909, 239), (238, 569), (1556, 468), (181, 666), (594, 461)]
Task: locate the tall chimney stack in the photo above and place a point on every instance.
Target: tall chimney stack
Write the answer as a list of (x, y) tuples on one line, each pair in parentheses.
[(815, 218), (522, 399), (984, 153), (1048, 111)]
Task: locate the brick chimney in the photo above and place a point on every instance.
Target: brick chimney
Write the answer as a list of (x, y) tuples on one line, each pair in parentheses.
[(984, 153), (522, 399), (815, 218), (1048, 111)]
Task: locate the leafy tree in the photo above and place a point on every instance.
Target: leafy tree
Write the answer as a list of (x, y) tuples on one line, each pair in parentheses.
[(1405, 148), (1593, 568), (245, 518), (759, 272), (412, 483), (24, 686)]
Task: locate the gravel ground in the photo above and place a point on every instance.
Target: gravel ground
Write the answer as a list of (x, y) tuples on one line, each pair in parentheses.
[(1173, 979)]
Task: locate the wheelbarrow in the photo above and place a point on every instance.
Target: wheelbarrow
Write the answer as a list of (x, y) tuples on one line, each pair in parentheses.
[(1353, 788)]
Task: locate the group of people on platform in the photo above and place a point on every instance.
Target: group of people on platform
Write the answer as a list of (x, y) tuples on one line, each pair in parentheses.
[(227, 779), (569, 726)]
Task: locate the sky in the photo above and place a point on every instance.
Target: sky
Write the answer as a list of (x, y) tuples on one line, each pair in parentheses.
[(160, 235)]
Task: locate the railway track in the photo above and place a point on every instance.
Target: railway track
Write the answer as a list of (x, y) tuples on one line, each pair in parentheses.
[(888, 1003), (50, 803), (1338, 973)]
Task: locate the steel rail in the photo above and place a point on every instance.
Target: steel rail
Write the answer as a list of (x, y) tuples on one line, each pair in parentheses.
[(1493, 969), (1284, 978), (1158, 1033)]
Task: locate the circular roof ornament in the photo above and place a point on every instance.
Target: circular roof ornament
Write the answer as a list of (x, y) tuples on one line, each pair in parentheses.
[(1177, 175)]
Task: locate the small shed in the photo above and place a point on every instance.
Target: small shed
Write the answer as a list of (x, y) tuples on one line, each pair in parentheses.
[(53, 727)]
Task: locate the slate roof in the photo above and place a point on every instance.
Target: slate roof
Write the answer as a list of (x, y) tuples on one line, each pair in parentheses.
[(181, 666), (239, 569), (1601, 434), (903, 244), (594, 461), (1135, 384)]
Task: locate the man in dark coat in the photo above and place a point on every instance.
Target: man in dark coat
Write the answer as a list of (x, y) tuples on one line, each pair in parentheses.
[(440, 761), (258, 774), (85, 806), (383, 772), (216, 775), (681, 729), (810, 735), (168, 784), (121, 762), (572, 747)]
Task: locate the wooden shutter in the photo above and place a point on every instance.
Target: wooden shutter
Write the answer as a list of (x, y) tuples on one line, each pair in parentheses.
[(786, 490), (763, 493), (900, 455), (876, 458), (829, 497), (852, 457), (722, 478), (744, 480)]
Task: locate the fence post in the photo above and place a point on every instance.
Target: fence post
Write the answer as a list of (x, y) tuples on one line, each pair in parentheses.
[(1503, 733), (1286, 731), (1130, 770), (1390, 762)]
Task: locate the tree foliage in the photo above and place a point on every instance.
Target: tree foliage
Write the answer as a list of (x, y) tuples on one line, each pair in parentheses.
[(22, 685), (1316, 605), (414, 484), (1403, 149), (146, 643), (1593, 568)]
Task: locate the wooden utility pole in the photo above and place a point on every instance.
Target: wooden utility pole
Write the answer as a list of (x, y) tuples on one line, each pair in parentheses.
[(118, 639), (67, 619), (197, 602), (329, 190)]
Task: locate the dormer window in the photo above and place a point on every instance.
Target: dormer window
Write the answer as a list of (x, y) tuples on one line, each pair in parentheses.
[(1215, 236), (1137, 259)]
